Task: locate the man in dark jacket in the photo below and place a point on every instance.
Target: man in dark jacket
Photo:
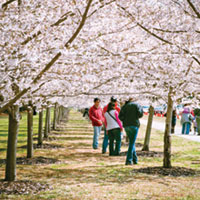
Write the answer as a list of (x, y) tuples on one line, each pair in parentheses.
[(197, 117), (129, 115)]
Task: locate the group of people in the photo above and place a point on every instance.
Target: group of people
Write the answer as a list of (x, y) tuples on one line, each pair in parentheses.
[(188, 117), (114, 120)]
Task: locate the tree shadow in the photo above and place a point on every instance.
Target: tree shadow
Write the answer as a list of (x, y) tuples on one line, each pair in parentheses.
[(70, 134), (137, 144), (21, 187), (78, 145), (69, 138), (44, 146), (145, 153), (2, 150), (33, 161), (174, 171)]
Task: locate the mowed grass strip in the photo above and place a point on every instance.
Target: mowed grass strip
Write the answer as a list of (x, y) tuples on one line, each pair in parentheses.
[(84, 173)]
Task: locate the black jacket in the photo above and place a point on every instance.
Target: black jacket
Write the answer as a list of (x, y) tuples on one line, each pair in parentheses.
[(197, 112), (130, 114)]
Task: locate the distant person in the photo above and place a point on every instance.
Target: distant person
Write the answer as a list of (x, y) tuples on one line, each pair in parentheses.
[(197, 117), (34, 110), (129, 115), (174, 118), (86, 113), (105, 139), (186, 120), (97, 118), (195, 126), (114, 129)]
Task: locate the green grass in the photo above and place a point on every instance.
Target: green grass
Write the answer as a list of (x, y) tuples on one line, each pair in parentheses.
[(22, 135), (84, 173)]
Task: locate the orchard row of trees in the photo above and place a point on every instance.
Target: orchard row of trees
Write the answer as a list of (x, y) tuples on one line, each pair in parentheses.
[(64, 51), (60, 114)]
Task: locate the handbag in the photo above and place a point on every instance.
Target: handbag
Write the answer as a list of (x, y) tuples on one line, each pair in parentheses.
[(112, 117), (122, 134), (190, 117)]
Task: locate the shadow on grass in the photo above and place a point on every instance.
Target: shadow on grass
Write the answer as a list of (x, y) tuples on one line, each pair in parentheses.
[(79, 127), (5, 141), (68, 138), (33, 161), (2, 150), (70, 134), (4, 134), (81, 156), (78, 145), (145, 154), (19, 135), (44, 146), (174, 171), (22, 187), (137, 144)]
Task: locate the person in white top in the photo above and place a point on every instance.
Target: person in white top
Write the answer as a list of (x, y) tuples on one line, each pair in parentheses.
[(114, 129)]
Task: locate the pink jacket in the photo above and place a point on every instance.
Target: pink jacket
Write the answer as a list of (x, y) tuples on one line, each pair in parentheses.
[(112, 122)]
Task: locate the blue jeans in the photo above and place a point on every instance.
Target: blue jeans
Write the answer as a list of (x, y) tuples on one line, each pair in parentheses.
[(186, 128), (97, 131), (131, 132), (105, 141)]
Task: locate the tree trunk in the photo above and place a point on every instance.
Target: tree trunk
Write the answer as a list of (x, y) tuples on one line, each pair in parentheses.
[(59, 114), (40, 128), (13, 129), (30, 133), (58, 117), (148, 129), (55, 116), (65, 114), (49, 121), (167, 136), (46, 129)]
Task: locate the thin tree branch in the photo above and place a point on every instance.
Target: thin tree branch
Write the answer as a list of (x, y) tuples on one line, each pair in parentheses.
[(101, 7), (48, 66), (194, 8), (4, 5), (31, 38), (62, 19), (80, 26), (168, 31)]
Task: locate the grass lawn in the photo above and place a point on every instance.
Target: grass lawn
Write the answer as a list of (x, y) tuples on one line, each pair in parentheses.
[(83, 173)]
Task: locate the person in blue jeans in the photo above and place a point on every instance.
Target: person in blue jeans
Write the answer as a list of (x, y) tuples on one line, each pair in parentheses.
[(97, 118), (186, 120), (97, 131), (129, 115)]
